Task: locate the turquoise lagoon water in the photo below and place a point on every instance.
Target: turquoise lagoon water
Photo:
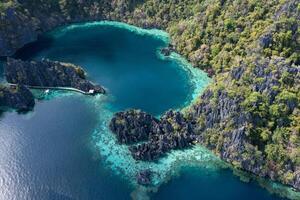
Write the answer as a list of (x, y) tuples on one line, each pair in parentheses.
[(64, 150)]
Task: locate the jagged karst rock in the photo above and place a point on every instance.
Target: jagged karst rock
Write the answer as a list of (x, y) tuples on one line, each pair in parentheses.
[(132, 126), (227, 118), (218, 111), (265, 40), (237, 72), (16, 97), (172, 131), (48, 73), (166, 51), (10, 37)]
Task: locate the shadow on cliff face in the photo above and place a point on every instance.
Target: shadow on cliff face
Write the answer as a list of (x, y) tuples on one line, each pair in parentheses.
[(31, 49)]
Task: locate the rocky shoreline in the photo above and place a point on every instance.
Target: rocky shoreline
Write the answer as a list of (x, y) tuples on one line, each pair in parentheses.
[(50, 74), (177, 131), (228, 119), (22, 75), (16, 97), (166, 51), (158, 136), (24, 22)]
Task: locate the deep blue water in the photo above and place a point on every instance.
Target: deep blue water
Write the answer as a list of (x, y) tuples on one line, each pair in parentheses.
[(50, 153), (1, 70), (195, 183), (47, 155)]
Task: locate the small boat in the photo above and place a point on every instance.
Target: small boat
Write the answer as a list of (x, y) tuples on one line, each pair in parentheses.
[(91, 91), (47, 91)]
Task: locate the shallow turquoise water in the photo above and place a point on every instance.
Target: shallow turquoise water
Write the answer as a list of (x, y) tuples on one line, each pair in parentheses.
[(64, 150)]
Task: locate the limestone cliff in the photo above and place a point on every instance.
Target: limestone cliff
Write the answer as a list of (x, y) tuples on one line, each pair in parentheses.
[(16, 97), (249, 117), (48, 73)]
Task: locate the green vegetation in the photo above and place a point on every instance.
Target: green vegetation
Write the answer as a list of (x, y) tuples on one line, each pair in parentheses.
[(220, 36), (212, 33), (5, 4)]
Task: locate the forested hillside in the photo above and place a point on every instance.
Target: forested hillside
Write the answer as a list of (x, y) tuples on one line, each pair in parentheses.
[(250, 115)]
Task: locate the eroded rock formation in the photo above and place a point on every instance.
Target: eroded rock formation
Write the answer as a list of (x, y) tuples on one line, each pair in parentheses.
[(170, 132), (133, 126), (16, 97), (48, 73)]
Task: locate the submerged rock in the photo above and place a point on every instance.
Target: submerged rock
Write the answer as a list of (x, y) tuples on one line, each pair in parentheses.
[(144, 177), (48, 73), (16, 97), (168, 50)]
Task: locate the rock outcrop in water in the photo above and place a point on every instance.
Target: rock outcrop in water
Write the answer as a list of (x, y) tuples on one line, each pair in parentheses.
[(16, 97), (48, 73), (133, 126), (172, 131), (166, 51), (144, 177)]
